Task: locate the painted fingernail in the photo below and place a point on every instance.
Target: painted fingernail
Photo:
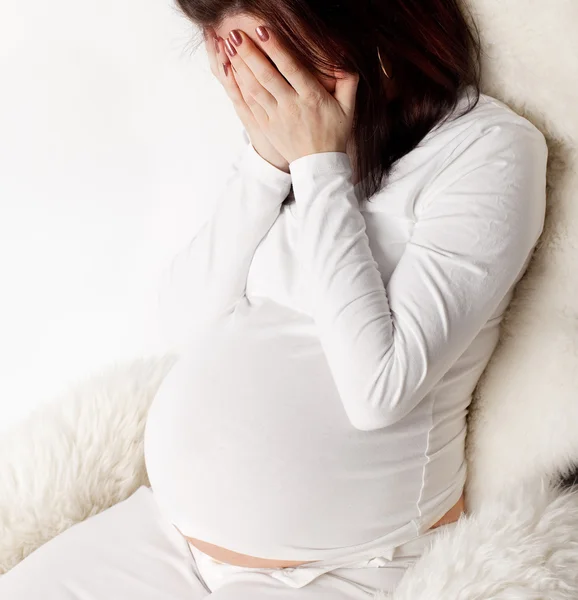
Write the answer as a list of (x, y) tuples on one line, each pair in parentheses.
[(225, 65), (236, 37), (230, 48), (262, 33)]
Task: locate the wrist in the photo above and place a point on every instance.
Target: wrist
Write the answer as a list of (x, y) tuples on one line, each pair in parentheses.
[(281, 164), (265, 171)]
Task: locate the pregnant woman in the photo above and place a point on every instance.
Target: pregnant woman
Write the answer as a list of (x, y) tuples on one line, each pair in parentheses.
[(332, 315)]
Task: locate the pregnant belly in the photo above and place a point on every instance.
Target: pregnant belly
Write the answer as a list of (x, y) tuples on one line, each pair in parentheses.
[(249, 450)]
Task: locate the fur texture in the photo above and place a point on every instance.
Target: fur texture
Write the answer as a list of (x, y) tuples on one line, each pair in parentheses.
[(525, 408), (76, 456), (522, 545), (83, 453)]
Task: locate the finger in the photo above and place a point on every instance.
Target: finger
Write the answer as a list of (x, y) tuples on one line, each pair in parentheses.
[(233, 90), (241, 100), (215, 51), (260, 77), (346, 90), (222, 60), (299, 78), (251, 105), (217, 57)]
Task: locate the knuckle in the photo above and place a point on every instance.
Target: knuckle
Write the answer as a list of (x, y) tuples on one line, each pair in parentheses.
[(293, 109), (252, 89), (313, 98), (266, 76), (291, 68)]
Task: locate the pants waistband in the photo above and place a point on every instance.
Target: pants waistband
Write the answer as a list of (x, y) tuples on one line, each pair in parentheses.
[(301, 575)]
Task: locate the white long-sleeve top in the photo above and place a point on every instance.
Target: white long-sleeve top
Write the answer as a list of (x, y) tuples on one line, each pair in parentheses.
[(330, 348)]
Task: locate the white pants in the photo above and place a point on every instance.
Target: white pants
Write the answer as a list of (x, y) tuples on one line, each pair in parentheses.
[(131, 552)]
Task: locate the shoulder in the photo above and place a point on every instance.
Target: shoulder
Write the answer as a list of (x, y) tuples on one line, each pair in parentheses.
[(494, 166), (490, 126), (490, 137)]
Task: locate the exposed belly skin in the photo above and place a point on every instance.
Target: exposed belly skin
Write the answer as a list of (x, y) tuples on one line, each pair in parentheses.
[(223, 555)]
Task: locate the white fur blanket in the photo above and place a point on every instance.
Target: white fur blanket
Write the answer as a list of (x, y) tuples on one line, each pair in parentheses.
[(83, 453)]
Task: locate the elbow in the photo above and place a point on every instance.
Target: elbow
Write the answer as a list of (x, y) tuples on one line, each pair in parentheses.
[(367, 424), (386, 393), (389, 399), (368, 419), (383, 408)]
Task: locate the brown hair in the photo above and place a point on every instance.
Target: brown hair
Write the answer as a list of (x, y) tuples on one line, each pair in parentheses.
[(432, 50)]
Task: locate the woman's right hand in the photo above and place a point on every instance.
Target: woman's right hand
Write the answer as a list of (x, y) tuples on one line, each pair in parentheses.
[(219, 61)]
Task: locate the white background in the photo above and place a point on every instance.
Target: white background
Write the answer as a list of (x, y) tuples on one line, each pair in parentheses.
[(113, 139)]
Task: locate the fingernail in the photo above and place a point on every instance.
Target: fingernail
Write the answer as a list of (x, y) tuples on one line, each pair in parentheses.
[(230, 48), (225, 65), (236, 37), (262, 33)]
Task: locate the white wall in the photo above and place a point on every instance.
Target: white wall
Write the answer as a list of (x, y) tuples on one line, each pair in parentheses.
[(111, 131)]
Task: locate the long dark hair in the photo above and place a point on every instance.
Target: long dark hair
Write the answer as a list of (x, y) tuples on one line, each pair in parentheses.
[(432, 49)]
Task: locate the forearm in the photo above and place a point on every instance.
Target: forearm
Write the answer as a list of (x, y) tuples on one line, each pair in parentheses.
[(208, 277)]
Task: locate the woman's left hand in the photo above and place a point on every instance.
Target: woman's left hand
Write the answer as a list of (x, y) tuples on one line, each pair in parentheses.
[(298, 115)]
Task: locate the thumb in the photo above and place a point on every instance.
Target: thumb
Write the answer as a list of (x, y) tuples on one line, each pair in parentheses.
[(346, 89)]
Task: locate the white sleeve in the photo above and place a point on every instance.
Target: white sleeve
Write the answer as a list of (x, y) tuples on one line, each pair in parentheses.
[(387, 346), (208, 277)]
